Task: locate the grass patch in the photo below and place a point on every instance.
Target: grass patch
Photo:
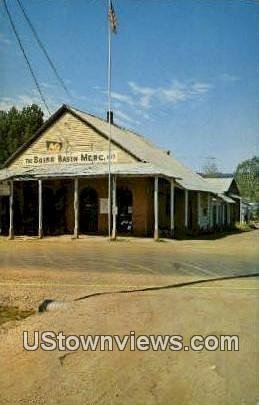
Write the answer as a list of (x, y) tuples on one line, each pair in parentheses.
[(243, 227)]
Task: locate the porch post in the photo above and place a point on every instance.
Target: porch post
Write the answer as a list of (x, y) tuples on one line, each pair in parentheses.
[(156, 227), (228, 214), (217, 213), (223, 214), (208, 211), (213, 221), (40, 234), (114, 207), (186, 209), (199, 208), (76, 207), (11, 231), (172, 208), (240, 211)]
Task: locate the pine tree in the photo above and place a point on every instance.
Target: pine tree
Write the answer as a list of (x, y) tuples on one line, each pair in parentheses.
[(16, 127)]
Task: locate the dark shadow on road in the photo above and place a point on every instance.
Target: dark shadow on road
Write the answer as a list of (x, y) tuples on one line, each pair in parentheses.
[(211, 236)]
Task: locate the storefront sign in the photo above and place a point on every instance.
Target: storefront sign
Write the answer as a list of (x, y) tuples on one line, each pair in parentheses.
[(4, 189), (59, 158), (53, 146)]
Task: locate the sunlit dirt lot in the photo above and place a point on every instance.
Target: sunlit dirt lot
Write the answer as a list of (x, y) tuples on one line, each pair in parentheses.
[(61, 269)]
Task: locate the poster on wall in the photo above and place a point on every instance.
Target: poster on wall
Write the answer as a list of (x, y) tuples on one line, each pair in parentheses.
[(104, 206), (4, 189)]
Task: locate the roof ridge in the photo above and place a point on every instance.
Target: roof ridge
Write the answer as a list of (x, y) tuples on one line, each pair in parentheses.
[(170, 159), (142, 137), (106, 122)]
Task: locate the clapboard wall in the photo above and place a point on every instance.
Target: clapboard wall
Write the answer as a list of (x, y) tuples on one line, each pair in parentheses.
[(75, 137)]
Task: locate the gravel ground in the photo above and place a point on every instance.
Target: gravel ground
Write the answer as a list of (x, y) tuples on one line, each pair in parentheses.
[(33, 270)]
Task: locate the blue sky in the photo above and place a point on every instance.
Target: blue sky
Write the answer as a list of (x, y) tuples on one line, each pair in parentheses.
[(184, 71)]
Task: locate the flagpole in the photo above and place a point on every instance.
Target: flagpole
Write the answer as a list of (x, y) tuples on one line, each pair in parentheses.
[(109, 118)]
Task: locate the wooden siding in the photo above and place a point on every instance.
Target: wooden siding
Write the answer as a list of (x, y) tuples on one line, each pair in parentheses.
[(75, 136)]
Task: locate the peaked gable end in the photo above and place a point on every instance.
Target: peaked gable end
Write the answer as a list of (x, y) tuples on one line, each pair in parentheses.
[(68, 140), (233, 189)]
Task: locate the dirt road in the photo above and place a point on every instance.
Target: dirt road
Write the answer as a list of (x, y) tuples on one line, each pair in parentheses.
[(34, 270)]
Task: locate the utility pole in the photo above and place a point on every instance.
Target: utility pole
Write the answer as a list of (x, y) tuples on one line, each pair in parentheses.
[(112, 28), (109, 118)]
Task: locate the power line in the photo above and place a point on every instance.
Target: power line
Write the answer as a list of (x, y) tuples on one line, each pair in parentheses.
[(26, 58), (59, 78)]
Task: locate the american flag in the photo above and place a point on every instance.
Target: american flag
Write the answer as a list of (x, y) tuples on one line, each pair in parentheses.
[(112, 19)]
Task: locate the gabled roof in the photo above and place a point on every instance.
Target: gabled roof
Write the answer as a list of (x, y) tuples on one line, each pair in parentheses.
[(221, 184), (139, 146), (136, 145)]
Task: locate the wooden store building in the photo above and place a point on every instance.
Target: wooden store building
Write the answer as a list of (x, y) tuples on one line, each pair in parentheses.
[(57, 183)]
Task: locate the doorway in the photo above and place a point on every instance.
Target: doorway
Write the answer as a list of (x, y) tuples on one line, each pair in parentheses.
[(88, 211), (125, 210), (25, 208), (55, 201)]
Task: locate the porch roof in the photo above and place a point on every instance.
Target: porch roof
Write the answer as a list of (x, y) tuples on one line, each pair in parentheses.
[(79, 170), (226, 198)]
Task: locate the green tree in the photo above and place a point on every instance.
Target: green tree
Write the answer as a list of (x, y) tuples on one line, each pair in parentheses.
[(247, 178), (16, 127)]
